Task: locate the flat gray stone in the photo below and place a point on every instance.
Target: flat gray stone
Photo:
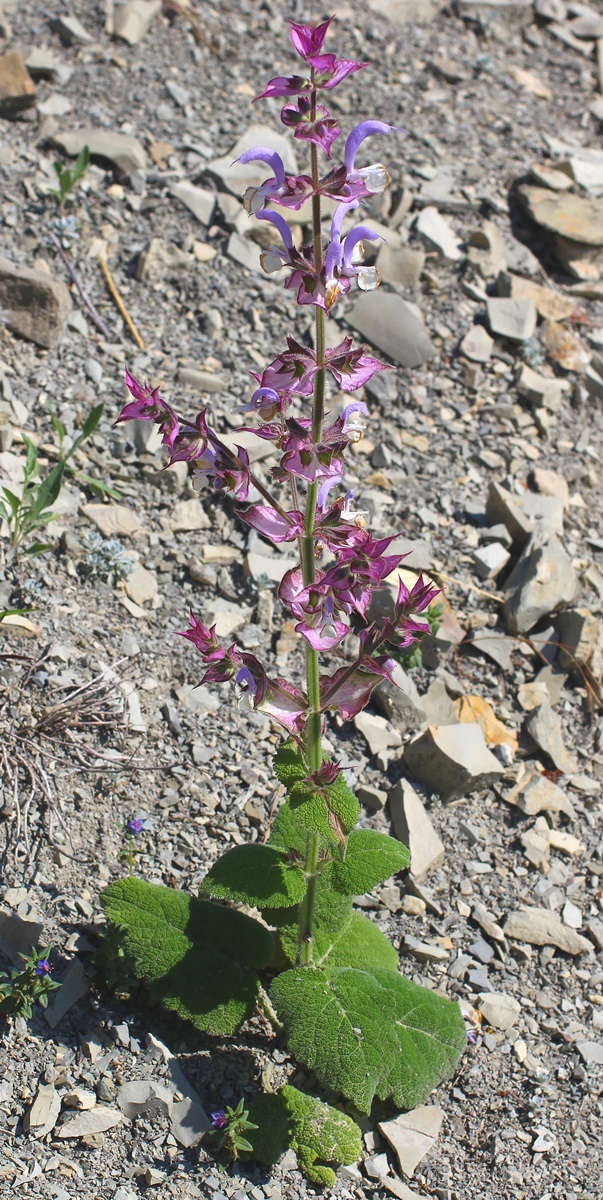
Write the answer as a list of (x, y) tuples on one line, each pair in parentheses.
[(160, 258), (477, 344), (452, 760), (35, 303), (18, 936), (541, 795), (438, 234), (245, 252), (499, 1010), (544, 726), (401, 265), (379, 734), (541, 391), (590, 1052), (511, 319), (198, 200), (98, 1120), (112, 519), (542, 582), (576, 218), (189, 1122), (74, 986), (71, 30), (412, 1135), (144, 1096), (400, 701), (134, 19), (412, 826), (539, 927), (120, 149), (392, 325)]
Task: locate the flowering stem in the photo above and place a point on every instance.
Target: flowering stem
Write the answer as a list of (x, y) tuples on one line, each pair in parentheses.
[(306, 916)]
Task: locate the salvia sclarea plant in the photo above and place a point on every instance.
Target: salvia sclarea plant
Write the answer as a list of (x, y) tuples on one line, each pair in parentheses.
[(325, 975)]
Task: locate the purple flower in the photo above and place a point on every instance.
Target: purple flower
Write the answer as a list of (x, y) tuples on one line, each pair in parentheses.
[(218, 1119), (308, 39), (270, 523), (472, 1037), (191, 443), (343, 259), (318, 127), (149, 406), (204, 639), (330, 71), (290, 190), (135, 825), (349, 689), (375, 177), (42, 968), (351, 368)]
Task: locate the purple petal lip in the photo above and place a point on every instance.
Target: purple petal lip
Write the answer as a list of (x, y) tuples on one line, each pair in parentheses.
[(356, 137), (264, 154), (267, 214)]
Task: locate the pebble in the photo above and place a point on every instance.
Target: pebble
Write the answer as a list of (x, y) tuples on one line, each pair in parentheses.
[(98, 1120), (412, 1135), (477, 344), (539, 927), (198, 200), (392, 325), (36, 303), (413, 826), (134, 19), (112, 519), (452, 760), (511, 319), (436, 231), (499, 1010), (543, 580)]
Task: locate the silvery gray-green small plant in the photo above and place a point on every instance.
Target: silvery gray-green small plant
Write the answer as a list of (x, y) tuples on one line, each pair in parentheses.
[(106, 558)]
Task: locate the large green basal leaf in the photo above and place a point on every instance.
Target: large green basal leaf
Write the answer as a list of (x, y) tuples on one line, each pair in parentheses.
[(258, 875), (370, 859), (319, 1133), (431, 1034), (369, 1033), (340, 1023), (196, 957)]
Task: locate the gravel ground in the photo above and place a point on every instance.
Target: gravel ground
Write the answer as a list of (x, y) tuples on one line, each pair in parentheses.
[(522, 1117)]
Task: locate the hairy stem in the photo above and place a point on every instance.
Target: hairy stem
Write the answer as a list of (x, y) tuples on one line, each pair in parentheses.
[(306, 916)]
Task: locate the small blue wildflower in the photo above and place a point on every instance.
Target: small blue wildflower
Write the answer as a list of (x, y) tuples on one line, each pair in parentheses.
[(472, 1037), (43, 968), (135, 824), (218, 1119)]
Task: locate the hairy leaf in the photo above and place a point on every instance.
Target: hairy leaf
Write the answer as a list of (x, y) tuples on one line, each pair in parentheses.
[(287, 833), (340, 1023), (370, 859), (369, 1033), (318, 1133), (288, 764), (258, 875), (361, 944), (331, 812), (194, 956), (431, 1034), (332, 914)]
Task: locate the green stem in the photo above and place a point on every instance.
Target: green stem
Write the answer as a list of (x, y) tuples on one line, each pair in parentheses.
[(313, 747)]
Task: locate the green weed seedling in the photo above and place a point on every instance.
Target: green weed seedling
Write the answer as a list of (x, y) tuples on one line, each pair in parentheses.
[(68, 176), (31, 985)]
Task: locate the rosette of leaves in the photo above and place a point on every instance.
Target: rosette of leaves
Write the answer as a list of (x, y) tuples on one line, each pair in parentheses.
[(350, 1016)]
